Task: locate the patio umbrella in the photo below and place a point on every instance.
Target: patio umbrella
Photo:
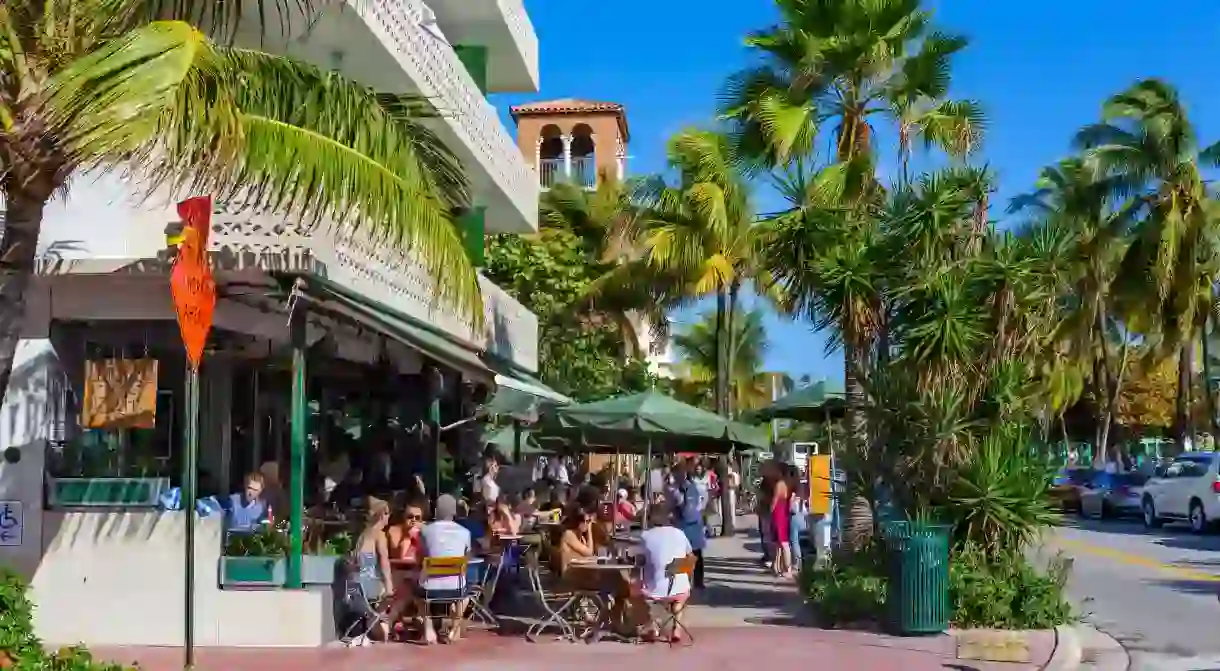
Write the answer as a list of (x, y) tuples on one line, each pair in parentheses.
[(654, 419), (812, 403)]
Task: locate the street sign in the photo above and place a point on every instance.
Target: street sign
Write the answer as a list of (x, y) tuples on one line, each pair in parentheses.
[(191, 280), (12, 520)]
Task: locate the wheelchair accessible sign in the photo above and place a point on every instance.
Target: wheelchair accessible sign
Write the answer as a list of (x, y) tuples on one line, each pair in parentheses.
[(11, 522)]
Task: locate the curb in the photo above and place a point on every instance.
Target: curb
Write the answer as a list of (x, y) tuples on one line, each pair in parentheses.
[(1068, 653), (1083, 646)]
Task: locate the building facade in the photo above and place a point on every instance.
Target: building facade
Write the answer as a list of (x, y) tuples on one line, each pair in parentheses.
[(370, 318)]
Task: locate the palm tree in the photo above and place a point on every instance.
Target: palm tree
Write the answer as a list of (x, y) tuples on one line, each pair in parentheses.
[(112, 84), (839, 64), (750, 387), (1147, 141), (700, 236), (1080, 202)]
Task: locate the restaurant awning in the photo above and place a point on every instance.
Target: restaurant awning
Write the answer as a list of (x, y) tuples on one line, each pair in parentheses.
[(520, 394), (398, 326), (504, 442)]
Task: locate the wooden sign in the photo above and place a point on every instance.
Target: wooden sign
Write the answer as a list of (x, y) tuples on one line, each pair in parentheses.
[(120, 393), (191, 280)]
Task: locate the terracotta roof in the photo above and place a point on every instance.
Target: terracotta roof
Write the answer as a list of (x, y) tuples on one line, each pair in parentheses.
[(574, 106), (566, 105)]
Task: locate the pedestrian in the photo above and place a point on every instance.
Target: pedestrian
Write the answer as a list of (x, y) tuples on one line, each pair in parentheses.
[(689, 516), (762, 509), (780, 515)]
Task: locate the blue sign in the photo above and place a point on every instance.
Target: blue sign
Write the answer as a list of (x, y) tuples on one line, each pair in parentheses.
[(11, 522)]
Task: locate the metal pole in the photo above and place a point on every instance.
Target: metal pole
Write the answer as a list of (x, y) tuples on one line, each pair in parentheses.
[(517, 441), (190, 469), (299, 437), (647, 485)]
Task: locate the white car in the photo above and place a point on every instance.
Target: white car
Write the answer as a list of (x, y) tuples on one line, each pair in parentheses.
[(1188, 489)]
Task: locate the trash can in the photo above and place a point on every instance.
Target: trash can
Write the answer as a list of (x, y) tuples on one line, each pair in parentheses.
[(917, 597)]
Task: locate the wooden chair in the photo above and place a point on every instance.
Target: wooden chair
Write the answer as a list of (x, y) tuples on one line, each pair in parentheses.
[(680, 566)]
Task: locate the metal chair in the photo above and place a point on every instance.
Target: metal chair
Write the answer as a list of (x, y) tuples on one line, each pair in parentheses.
[(367, 612), (680, 566), (434, 568), (557, 603)]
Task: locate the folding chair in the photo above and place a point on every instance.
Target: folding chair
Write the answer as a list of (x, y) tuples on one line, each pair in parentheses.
[(482, 588), (366, 613), (444, 567), (557, 604), (680, 566)]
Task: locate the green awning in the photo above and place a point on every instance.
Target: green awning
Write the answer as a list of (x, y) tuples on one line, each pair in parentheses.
[(504, 442), (520, 394), (399, 326)]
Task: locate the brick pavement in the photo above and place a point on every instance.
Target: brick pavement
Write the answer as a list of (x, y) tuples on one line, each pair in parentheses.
[(743, 619)]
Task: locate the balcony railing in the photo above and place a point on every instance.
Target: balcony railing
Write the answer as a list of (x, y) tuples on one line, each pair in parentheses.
[(550, 171), (582, 172)]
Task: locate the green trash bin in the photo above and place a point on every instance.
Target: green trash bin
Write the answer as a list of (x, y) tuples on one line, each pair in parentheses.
[(917, 597)]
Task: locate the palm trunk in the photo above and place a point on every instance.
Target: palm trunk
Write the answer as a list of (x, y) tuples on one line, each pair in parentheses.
[(1210, 393), (720, 389), (1182, 424), (22, 223), (857, 423), (730, 354), (1113, 378)]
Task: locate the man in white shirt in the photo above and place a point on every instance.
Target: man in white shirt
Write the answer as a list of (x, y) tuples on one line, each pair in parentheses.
[(663, 543), (444, 538), (557, 471)]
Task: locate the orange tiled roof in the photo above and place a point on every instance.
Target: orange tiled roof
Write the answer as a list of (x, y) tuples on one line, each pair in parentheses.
[(574, 106)]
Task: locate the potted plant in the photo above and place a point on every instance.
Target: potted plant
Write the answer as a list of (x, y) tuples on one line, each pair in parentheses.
[(319, 568), (255, 559)]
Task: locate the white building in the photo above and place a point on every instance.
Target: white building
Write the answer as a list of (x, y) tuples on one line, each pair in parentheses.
[(101, 267)]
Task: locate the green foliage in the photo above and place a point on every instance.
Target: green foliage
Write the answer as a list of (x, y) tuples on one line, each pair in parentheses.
[(580, 353), (20, 649), (266, 541), (1006, 592), (843, 593)]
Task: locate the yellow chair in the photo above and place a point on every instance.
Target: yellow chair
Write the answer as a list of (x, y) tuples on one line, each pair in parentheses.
[(680, 566), (443, 567)]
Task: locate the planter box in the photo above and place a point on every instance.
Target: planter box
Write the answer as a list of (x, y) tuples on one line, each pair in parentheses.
[(318, 569), (253, 571)]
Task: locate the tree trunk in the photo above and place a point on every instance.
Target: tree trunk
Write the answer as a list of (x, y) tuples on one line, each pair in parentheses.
[(730, 351), (857, 422), (1182, 409), (1100, 385), (1212, 423), (719, 390), (1112, 383), (22, 223)]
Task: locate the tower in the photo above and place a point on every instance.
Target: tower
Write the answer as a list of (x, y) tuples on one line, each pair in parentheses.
[(578, 141)]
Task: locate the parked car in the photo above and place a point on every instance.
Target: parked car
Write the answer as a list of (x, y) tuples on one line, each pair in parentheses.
[(1189, 489), (1065, 490), (1112, 495)]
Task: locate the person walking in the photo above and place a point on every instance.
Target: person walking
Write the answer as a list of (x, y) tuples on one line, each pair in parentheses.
[(689, 516), (780, 518)]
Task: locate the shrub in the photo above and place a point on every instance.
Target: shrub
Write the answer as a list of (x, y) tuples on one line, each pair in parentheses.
[(1006, 591), (20, 649), (847, 591)]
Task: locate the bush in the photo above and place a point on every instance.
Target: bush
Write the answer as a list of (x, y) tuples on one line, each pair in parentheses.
[(850, 590), (1006, 592), (1001, 593), (20, 649)]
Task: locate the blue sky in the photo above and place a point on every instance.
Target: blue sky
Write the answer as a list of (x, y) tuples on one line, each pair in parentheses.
[(1041, 68)]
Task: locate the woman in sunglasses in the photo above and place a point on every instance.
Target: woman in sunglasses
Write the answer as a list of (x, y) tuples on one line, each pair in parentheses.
[(404, 537)]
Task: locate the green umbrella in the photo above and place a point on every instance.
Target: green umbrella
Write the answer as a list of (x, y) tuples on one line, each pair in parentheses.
[(669, 424), (811, 403)]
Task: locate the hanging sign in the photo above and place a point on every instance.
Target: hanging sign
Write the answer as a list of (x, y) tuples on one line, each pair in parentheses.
[(120, 393), (191, 280)]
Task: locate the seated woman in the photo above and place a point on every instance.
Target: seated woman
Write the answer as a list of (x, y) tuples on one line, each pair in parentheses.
[(624, 510), (372, 563), (576, 539), (502, 520), (475, 524), (528, 505), (244, 512), (404, 539)]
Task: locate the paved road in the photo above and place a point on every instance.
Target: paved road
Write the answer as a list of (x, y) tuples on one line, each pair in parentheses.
[(1155, 591)]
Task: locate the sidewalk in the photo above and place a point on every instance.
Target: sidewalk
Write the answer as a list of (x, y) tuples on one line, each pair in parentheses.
[(744, 619)]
